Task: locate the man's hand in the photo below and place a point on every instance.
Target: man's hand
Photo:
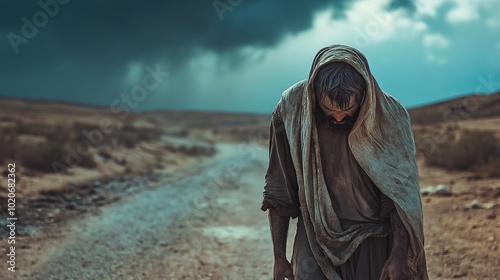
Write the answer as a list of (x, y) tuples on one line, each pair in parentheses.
[(282, 269), (395, 268), (279, 231)]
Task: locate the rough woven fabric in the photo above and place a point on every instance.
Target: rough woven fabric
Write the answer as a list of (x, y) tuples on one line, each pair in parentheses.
[(382, 143)]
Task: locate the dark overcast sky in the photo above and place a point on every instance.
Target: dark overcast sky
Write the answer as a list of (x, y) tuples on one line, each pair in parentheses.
[(228, 54)]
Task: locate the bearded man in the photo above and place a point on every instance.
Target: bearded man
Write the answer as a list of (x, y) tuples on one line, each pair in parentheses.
[(343, 160)]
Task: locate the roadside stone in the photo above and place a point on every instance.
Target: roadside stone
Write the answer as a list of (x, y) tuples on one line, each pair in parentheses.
[(491, 216), (460, 274), (475, 204), (439, 190), (121, 161)]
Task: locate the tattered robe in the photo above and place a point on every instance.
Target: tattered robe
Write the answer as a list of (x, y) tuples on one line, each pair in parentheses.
[(381, 142)]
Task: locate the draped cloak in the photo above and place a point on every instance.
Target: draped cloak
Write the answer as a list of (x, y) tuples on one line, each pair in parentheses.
[(382, 143)]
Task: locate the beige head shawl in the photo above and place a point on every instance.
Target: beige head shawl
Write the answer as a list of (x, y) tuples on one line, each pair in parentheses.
[(382, 143)]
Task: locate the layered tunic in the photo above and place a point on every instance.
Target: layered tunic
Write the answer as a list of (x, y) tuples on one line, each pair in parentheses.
[(342, 184)]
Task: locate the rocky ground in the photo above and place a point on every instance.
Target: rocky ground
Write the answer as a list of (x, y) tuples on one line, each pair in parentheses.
[(462, 227)]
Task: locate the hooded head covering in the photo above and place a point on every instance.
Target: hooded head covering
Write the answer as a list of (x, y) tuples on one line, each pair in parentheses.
[(382, 143)]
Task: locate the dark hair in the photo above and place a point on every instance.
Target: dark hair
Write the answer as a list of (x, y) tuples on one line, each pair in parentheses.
[(339, 81)]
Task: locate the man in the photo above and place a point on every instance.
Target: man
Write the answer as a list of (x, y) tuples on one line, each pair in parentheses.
[(342, 160)]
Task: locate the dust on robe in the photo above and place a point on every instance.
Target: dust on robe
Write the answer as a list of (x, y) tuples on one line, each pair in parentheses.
[(381, 142)]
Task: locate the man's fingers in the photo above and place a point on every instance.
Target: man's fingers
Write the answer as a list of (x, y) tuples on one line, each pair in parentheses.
[(283, 270)]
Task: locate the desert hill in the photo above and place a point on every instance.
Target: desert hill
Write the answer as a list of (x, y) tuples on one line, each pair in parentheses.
[(473, 106)]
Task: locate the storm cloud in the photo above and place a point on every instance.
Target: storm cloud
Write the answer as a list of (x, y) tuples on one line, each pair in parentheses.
[(136, 28), (80, 50)]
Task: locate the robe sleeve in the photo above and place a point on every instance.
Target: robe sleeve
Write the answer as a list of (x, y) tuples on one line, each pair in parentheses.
[(280, 190)]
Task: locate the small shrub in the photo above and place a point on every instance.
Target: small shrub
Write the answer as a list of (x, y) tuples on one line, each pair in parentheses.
[(59, 135), (6, 148), (24, 128), (148, 135), (85, 159), (7, 118), (38, 129), (40, 156), (464, 152), (105, 155), (142, 134), (79, 135), (491, 167), (80, 126), (126, 138)]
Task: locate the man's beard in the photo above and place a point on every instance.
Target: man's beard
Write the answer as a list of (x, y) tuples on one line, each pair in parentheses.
[(347, 123)]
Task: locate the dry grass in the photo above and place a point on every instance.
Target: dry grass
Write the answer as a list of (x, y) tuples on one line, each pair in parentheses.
[(67, 145), (491, 167), (42, 156)]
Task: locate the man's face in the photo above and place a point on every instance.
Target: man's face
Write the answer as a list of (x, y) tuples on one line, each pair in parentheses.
[(337, 118)]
